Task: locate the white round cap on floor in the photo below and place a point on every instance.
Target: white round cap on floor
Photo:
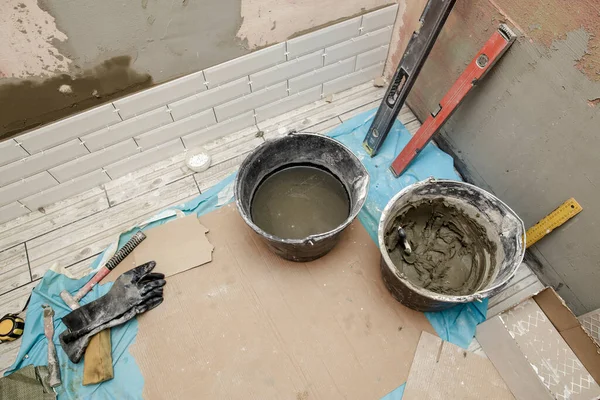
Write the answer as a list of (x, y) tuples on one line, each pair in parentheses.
[(197, 160)]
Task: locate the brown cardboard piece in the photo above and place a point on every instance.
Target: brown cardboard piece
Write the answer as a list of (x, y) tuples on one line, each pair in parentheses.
[(569, 327), (250, 325), (441, 370), (550, 342), (176, 246)]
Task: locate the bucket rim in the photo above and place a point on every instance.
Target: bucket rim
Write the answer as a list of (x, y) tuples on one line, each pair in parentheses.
[(480, 294), (312, 239)]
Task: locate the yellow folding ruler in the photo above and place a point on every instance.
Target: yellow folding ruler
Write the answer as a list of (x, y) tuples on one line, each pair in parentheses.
[(556, 218)]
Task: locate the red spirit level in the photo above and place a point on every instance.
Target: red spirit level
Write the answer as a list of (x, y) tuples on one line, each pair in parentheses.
[(491, 52)]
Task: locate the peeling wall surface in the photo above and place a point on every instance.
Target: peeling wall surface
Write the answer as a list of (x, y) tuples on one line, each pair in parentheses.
[(530, 132), (59, 57)]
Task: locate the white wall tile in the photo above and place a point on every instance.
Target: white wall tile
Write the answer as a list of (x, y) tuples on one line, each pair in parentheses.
[(358, 45), (251, 101), (176, 129), (371, 57), (245, 65), (353, 79), (95, 160), (145, 158), (323, 37), (380, 18), (210, 98), (41, 161), (286, 70), (10, 151), (127, 129), (26, 187), (160, 95), (66, 190), (69, 128), (319, 76), (221, 129), (288, 103), (12, 211)]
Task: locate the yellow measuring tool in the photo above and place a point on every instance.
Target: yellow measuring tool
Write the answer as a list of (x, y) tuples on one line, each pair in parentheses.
[(556, 218)]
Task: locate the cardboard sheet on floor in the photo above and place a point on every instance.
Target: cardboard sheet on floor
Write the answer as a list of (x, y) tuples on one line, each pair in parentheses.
[(442, 370), (252, 325), (176, 246)]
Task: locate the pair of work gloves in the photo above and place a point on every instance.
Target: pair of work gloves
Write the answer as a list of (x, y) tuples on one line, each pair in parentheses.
[(133, 293)]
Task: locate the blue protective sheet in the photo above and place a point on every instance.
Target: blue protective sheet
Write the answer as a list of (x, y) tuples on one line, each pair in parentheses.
[(456, 325)]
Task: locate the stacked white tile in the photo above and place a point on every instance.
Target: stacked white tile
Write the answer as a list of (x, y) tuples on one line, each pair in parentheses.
[(88, 149)]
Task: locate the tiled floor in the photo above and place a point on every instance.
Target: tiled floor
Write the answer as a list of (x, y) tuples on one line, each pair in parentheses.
[(73, 232)]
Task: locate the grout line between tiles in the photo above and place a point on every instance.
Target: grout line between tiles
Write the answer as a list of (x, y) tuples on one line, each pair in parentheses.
[(28, 263), (117, 111), (139, 148), (197, 184), (205, 81), (23, 205), (259, 132), (21, 146), (106, 193), (53, 177), (84, 145)]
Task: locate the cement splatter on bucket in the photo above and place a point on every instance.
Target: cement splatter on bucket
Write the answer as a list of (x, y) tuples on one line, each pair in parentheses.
[(464, 244), (299, 192)]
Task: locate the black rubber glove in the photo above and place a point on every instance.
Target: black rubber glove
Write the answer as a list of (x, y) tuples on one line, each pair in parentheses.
[(132, 288), (75, 346)]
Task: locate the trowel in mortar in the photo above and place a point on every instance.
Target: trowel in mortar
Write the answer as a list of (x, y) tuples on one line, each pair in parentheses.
[(397, 237)]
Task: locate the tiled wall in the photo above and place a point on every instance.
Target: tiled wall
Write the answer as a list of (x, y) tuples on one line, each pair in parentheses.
[(75, 154)]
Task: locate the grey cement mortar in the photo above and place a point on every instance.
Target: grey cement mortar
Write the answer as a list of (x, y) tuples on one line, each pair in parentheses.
[(529, 134), (165, 39), (451, 253)]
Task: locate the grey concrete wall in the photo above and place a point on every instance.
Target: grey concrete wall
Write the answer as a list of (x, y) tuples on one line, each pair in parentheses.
[(62, 56), (530, 132)]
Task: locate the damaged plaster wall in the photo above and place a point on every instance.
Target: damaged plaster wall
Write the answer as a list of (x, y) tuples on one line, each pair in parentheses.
[(286, 19), (530, 131), (64, 56)]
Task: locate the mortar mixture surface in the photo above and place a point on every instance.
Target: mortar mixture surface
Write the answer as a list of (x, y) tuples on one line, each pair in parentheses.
[(451, 252)]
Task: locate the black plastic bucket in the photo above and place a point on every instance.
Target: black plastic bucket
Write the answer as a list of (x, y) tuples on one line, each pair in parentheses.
[(301, 149), (501, 225)]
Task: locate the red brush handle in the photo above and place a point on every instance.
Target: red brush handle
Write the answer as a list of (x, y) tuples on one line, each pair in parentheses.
[(91, 283)]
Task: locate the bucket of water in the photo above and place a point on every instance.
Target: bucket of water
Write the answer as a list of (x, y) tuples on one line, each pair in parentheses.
[(299, 192)]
